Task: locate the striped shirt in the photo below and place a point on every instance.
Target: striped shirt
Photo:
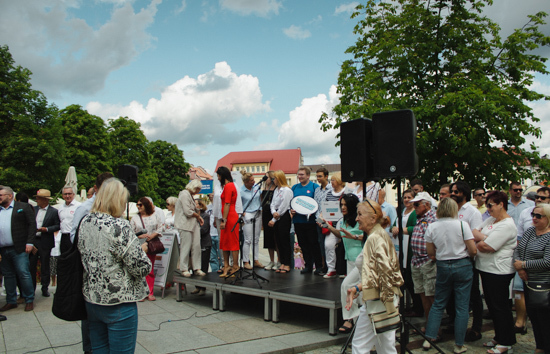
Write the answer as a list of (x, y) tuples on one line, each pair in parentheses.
[(535, 251)]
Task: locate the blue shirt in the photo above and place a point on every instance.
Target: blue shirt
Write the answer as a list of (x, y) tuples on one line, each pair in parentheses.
[(309, 191), (515, 211), (80, 212), (391, 213), (246, 195), (5, 225)]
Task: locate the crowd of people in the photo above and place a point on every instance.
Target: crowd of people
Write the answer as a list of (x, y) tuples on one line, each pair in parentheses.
[(447, 247)]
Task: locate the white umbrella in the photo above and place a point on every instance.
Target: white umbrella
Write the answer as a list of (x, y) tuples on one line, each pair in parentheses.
[(71, 180)]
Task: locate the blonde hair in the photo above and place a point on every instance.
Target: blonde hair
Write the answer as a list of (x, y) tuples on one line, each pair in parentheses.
[(447, 208), (246, 175), (171, 201), (545, 210), (281, 178), (337, 176), (111, 198), (194, 185), (375, 209)]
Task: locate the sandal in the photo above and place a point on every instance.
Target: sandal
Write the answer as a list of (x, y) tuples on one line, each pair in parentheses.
[(490, 344), (499, 349), (344, 329), (283, 271)]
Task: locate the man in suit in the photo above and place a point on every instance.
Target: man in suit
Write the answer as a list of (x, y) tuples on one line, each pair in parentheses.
[(47, 222), (17, 232)]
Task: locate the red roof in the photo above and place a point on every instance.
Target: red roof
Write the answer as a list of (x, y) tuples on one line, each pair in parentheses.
[(286, 160)]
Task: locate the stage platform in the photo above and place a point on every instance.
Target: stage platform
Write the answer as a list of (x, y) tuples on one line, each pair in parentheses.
[(306, 289)]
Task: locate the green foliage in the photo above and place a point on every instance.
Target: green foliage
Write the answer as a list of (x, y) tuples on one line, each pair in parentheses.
[(88, 147), (130, 146), (32, 150), (170, 167), (467, 87)]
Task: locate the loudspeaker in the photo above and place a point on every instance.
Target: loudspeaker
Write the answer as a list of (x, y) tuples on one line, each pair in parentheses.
[(355, 150), (394, 143), (128, 174)]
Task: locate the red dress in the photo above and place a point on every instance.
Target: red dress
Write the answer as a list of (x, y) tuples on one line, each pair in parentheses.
[(229, 241)]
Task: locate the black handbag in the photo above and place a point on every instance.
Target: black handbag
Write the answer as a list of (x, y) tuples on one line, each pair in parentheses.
[(537, 295), (68, 300)]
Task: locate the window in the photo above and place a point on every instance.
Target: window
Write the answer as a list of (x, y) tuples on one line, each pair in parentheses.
[(263, 168)]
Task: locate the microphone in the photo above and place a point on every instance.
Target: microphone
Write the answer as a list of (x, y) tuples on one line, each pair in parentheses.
[(261, 181)]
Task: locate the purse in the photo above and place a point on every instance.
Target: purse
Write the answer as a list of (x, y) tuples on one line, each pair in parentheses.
[(537, 294), (380, 319), (68, 300), (154, 246)]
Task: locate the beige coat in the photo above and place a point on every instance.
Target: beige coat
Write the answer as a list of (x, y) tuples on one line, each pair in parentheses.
[(183, 213)]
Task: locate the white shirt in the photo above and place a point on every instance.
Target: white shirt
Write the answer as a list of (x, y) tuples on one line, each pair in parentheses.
[(66, 215), (40, 218), (502, 238), (446, 235), (470, 215), (160, 214), (281, 201), (525, 221)]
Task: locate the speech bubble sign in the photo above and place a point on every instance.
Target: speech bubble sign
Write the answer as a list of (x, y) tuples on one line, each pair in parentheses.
[(304, 205)]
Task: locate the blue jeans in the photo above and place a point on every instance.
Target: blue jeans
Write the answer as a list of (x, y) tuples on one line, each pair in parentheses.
[(457, 275), (16, 263), (113, 329), (216, 256)]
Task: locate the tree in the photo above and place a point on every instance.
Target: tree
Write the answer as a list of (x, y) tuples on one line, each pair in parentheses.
[(130, 146), (467, 87), (87, 143), (32, 149), (171, 169)]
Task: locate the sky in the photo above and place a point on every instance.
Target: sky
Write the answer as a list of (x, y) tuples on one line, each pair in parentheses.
[(212, 76)]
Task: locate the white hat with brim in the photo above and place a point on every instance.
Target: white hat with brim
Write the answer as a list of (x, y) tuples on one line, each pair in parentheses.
[(422, 196)]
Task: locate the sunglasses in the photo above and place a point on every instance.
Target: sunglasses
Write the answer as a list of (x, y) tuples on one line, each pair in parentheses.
[(455, 191), (537, 216), (490, 205), (417, 204), (139, 204), (517, 190), (480, 194), (541, 197)]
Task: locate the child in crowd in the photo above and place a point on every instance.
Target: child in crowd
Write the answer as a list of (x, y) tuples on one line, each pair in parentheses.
[(298, 257)]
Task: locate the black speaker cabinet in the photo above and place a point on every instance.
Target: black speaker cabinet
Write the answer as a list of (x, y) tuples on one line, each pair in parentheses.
[(355, 150), (129, 175), (394, 144)]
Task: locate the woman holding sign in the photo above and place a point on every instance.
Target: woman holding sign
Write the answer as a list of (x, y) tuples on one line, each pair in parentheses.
[(280, 206), (229, 239)]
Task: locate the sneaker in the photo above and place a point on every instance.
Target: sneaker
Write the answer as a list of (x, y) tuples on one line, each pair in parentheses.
[(460, 349), (426, 345), (330, 275), (276, 266), (199, 272), (269, 266)]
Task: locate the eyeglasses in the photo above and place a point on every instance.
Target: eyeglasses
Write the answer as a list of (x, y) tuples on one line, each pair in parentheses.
[(518, 189), (139, 204), (537, 216), (490, 205), (455, 191), (541, 197), (480, 194), (417, 204), (68, 193)]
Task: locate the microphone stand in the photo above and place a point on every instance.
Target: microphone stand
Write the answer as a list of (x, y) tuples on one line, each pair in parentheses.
[(252, 273)]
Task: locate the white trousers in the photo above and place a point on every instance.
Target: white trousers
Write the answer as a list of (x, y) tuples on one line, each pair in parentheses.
[(351, 279), (330, 252), (364, 338), (190, 245), (248, 235)]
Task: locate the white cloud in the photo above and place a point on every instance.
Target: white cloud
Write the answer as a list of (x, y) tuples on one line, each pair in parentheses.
[(296, 32), (257, 7), (65, 53), (182, 7), (346, 8), (304, 130), (195, 111)]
